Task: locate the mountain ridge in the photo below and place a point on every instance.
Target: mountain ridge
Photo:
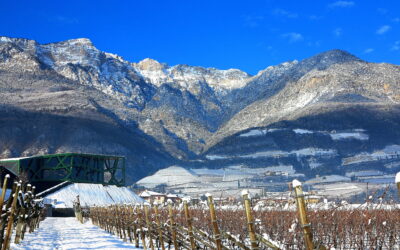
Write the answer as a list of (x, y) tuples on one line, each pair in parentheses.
[(186, 111)]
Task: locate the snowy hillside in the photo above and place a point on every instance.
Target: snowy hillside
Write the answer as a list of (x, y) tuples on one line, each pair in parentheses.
[(92, 195)]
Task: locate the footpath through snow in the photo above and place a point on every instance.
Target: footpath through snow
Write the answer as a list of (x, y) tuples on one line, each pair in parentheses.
[(68, 233)]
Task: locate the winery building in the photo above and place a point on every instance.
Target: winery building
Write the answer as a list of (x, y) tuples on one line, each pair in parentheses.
[(46, 171)]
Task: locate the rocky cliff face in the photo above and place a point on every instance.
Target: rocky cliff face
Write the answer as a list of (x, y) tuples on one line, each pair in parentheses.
[(191, 114), (333, 114)]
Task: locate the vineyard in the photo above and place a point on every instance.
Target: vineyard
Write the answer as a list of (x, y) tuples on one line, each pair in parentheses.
[(20, 213), (242, 226), (209, 225)]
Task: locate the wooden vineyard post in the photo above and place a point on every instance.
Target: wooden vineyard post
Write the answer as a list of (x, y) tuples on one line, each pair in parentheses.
[(11, 219), (3, 192), (148, 225), (78, 210), (172, 224), (217, 234), (301, 207), (120, 221), (5, 217), (30, 197), (35, 221), (189, 222), (159, 228), (398, 182), (135, 236), (250, 220), (142, 235), (21, 219), (128, 223)]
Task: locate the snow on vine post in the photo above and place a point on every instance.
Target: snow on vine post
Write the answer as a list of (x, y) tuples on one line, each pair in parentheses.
[(250, 220), (159, 228), (140, 223), (148, 223), (217, 234), (172, 224), (189, 221), (398, 182), (3, 191), (7, 238), (301, 208)]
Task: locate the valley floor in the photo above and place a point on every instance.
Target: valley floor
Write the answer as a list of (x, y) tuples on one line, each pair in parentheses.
[(68, 233)]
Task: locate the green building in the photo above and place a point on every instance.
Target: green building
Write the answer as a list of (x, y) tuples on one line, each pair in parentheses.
[(45, 171)]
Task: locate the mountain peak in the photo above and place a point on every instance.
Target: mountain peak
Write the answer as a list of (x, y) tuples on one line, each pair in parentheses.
[(337, 55), (151, 65), (326, 59), (79, 42)]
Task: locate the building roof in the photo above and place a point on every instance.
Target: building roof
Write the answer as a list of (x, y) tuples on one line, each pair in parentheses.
[(172, 196), (93, 195), (148, 193)]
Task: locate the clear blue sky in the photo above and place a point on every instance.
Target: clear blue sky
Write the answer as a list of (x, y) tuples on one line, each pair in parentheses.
[(249, 35)]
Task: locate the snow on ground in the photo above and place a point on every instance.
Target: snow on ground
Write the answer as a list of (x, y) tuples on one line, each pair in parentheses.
[(390, 151), (241, 170), (302, 131), (383, 179), (355, 134), (329, 178), (343, 190), (254, 132), (349, 135), (279, 153), (216, 157), (173, 175), (259, 171), (207, 171), (93, 194), (259, 132), (68, 233), (299, 153), (364, 173)]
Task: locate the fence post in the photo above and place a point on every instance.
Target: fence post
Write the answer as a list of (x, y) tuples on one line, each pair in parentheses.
[(21, 219), (146, 214), (172, 224), (189, 222), (301, 207), (11, 218), (127, 222), (134, 229), (3, 192), (159, 228), (250, 220), (217, 234), (78, 210), (142, 235), (8, 205), (29, 192), (398, 182)]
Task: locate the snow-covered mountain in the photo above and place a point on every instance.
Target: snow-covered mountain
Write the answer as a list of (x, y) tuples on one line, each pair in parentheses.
[(190, 112)]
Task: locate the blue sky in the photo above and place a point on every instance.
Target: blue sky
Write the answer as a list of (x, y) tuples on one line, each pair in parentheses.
[(249, 35)]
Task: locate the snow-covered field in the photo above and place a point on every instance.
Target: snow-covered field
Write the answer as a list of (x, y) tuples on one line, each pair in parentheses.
[(68, 233), (390, 151), (279, 153), (354, 134), (92, 194)]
